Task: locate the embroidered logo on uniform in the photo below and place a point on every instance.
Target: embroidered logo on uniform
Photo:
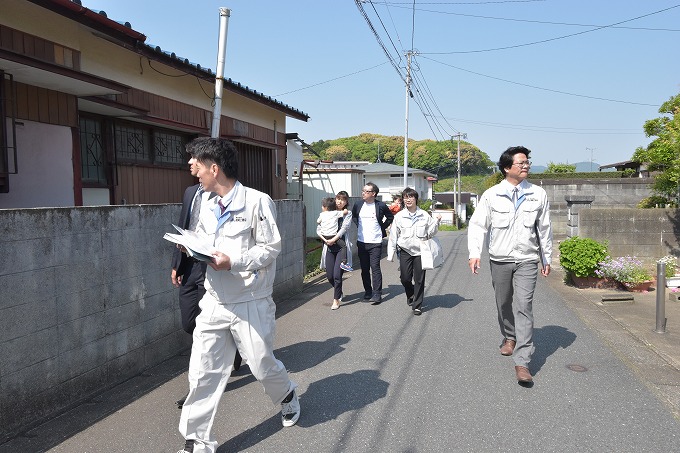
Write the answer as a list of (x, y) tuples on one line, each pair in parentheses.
[(239, 219)]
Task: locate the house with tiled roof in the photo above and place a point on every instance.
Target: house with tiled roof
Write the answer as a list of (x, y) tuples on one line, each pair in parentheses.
[(93, 115)]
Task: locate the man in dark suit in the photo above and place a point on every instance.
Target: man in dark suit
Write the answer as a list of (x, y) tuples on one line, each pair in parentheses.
[(188, 273), (372, 218)]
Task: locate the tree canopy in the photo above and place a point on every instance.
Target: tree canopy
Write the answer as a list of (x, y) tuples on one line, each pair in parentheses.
[(438, 157), (663, 153)]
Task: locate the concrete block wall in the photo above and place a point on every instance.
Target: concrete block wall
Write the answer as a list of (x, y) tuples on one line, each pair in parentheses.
[(290, 265), (86, 301), (615, 193), (648, 234)]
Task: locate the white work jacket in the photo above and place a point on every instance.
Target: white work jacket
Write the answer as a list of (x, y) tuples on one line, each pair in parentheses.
[(408, 232), (516, 233), (251, 239)]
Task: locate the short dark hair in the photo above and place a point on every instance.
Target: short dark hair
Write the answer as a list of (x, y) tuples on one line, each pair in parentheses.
[(508, 157), (328, 203), (374, 188), (408, 192), (218, 150)]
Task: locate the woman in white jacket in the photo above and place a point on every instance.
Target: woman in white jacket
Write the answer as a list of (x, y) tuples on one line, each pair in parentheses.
[(411, 227)]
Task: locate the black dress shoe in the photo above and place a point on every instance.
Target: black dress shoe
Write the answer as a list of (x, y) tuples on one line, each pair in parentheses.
[(409, 301), (376, 299), (417, 311), (368, 295)]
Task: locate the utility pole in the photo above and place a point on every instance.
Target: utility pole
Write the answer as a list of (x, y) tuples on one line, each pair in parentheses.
[(459, 135), (591, 156), (409, 54)]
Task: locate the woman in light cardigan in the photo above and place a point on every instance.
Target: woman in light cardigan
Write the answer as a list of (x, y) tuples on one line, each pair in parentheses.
[(336, 256), (410, 228)]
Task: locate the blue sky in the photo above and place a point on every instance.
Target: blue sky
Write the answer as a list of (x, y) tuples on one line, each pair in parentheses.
[(553, 75)]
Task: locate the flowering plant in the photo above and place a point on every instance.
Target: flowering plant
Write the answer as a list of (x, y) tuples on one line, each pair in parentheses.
[(628, 270), (671, 265)]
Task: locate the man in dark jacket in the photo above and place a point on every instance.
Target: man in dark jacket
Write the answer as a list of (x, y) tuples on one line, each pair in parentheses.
[(372, 218)]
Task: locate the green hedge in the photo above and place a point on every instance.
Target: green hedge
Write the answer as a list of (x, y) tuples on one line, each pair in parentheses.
[(583, 175)]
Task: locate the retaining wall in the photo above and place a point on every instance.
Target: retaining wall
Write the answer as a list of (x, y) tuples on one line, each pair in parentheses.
[(86, 301), (648, 234), (614, 193)]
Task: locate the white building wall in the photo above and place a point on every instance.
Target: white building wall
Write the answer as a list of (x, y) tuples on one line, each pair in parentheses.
[(317, 186), (45, 163)]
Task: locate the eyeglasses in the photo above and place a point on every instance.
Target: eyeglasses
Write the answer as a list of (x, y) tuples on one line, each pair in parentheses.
[(408, 196), (526, 163), (366, 191)]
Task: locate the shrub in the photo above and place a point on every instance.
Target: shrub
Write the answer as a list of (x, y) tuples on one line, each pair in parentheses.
[(628, 270), (656, 201), (560, 168), (580, 256), (671, 265)]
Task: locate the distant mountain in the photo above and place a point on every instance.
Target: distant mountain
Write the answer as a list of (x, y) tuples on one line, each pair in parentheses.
[(581, 167)]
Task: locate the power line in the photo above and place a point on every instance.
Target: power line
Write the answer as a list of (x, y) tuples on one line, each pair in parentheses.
[(552, 129), (509, 19), (543, 41), (332, 80), (541, 88)]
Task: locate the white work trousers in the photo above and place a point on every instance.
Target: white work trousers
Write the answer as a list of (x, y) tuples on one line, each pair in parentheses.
[(220, 329)]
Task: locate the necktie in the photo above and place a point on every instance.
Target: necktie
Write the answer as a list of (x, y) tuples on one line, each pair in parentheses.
[(195, 209), (515, 197)]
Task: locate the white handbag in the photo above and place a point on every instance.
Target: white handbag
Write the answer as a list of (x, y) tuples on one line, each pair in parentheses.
[(431, 254)]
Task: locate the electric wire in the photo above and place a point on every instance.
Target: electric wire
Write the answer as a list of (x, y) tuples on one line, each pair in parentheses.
[(331, 80), (541, 22), (543, 41), (540, 88)]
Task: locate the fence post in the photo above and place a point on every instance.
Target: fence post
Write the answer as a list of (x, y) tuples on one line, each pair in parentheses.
[(660, 298)]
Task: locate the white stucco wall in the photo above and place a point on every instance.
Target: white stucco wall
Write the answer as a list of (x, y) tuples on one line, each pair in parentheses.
[(45, 162)]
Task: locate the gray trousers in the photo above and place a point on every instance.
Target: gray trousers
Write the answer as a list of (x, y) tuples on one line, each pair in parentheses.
[(514, 285)]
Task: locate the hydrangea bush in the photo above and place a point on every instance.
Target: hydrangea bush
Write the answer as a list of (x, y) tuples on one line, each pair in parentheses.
[(628, 270)]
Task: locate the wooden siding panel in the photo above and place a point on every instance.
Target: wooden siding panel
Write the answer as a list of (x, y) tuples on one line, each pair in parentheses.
[(151, 185), (43, 106), (33, 105), (22, 101), (53, 106), (17, 42)]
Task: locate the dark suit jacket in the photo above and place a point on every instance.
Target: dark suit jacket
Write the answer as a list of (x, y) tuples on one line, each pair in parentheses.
[(382, 213), (181, 261)]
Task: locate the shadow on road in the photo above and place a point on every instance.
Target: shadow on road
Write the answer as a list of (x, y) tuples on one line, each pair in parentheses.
[(307, 354), (547, 340), (442, 300), (323, 401)]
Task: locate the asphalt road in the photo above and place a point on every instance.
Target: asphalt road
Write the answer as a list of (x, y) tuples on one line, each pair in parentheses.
[(378, 379)]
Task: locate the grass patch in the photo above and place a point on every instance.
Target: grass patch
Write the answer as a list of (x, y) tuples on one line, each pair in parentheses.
[(313, 248), (447, 227)]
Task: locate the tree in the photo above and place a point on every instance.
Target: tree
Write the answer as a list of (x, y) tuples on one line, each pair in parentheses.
[(560, 168), (663, 153), (435, 156)]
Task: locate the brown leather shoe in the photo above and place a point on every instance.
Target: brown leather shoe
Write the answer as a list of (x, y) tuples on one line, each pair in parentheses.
[(508, 346), (523, 374)]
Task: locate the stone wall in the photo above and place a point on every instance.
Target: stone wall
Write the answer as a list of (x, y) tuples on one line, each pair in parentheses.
[(648, 234), (86, 301), (614, 193)]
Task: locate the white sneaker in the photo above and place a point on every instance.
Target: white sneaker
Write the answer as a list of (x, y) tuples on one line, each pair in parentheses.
[(336, 304), (290, 411)]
